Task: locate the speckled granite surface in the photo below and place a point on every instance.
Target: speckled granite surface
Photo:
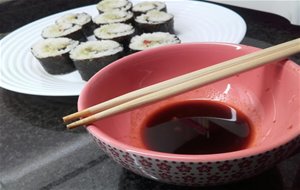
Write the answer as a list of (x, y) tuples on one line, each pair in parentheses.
[(36, 152)]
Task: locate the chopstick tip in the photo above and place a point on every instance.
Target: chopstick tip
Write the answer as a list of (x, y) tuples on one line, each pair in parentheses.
[(81, 122), (72, 125), (76, 115)]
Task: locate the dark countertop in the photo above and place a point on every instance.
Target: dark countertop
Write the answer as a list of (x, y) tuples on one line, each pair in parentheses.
[(36, 152)]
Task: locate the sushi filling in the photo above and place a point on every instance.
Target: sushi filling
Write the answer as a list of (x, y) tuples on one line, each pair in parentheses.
[(95, 49), (108, 5), (110, 31), (112, 17), (59, 30), (150, 40), (148, 6), (154, 17), (53, 47), (75, 18)]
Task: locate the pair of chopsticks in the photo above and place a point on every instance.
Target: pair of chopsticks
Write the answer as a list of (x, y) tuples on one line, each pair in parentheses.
[(182, 83)]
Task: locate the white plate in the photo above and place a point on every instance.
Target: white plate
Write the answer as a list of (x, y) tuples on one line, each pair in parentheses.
[(21, 72)]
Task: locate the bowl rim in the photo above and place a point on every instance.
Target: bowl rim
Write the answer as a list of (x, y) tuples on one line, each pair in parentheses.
[(249, 152)]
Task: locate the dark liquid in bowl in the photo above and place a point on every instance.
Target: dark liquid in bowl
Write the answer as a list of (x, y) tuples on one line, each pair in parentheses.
[(167, 131)]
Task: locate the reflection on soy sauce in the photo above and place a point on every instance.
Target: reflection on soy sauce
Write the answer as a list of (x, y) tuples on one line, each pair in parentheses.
[(197, 127)]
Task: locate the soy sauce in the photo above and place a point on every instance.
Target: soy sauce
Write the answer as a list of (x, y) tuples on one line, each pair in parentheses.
[(179, 128)]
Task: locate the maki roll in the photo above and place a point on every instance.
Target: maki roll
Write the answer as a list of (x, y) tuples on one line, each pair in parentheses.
[(151, 40), (115, 16), (53, 54), (119, 32), (82, 19), (89, 57), (109, 5), (68, 30), (144, 7), (154, 21)]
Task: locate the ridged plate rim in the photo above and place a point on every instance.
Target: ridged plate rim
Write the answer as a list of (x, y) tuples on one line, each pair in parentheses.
[(20, 72)]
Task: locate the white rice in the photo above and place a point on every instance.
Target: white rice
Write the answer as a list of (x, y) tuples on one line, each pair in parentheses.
[(112, 17), (146, 6), (95, 49), (108, 5), (75, 18), (154, 17), (53, 47), (151, 40), (114, 30), (60, 30)]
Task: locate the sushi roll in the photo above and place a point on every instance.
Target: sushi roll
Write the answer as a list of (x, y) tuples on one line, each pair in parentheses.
[(53, 54), (119, 32), (67, 30), (145, 6), (82, 19), (155, 21), (115, 16), (108, 5), (151, 40), (89, 57)]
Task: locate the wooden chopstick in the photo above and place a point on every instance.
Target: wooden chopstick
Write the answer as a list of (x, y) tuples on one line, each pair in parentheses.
[(171, 82), (183, 83)]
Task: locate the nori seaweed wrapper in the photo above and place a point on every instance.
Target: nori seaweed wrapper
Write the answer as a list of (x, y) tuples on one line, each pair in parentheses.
[(89, 57), (56, 65), (124, 39), (77, 35), (167, 26), (89, 67), (88, 29), (156, 5), (155, 21), (53, 54)]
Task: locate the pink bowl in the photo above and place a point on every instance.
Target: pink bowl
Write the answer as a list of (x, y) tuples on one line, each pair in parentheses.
[(269, 96)]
